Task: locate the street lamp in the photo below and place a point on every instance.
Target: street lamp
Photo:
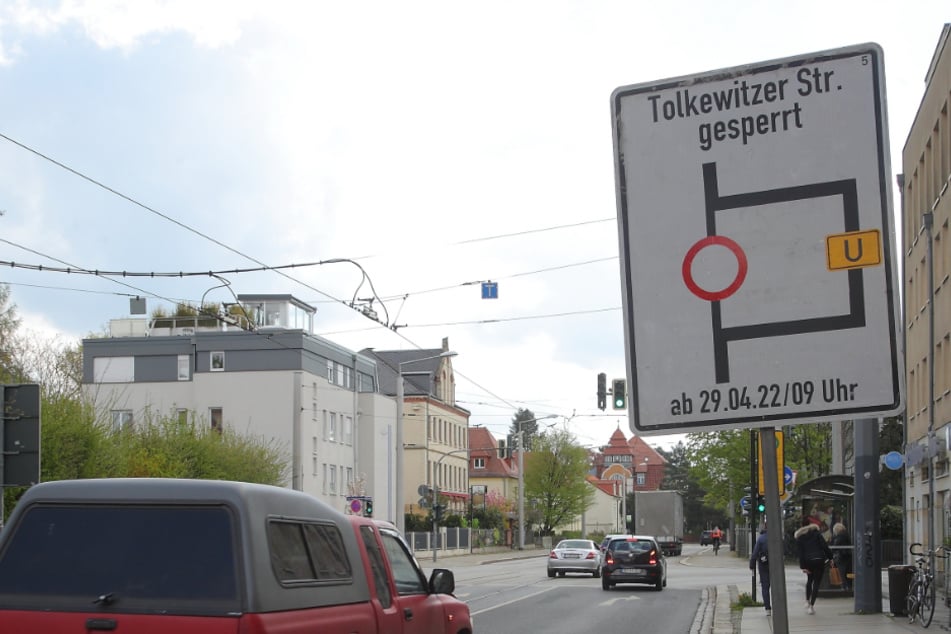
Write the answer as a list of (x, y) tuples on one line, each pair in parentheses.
[(400, 476), (521, 479)]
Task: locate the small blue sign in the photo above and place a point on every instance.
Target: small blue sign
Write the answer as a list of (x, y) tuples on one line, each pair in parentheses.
[(745, 502), (490, 290), (788, 476), (894, 460)]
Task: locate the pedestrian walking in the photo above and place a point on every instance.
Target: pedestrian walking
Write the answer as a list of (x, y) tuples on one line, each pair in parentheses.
[(842, 552), (759, 561), (814, 554)]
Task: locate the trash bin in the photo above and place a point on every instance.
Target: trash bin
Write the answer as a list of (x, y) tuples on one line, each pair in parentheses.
[(898, 579)]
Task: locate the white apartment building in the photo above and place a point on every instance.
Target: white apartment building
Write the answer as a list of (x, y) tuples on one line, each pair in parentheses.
[(318, 401)]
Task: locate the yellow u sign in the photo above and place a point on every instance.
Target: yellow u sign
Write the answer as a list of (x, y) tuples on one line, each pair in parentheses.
[(853, 250)]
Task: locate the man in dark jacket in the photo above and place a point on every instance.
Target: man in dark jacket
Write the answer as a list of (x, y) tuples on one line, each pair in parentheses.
[(759, 560), (814, 554)]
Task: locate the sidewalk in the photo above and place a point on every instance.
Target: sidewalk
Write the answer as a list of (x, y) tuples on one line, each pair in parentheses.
[(833, 614)]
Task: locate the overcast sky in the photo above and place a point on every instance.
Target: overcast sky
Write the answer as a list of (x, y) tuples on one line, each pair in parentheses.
[(437, 144)]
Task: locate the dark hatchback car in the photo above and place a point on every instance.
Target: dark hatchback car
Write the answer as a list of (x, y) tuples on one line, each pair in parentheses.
[(706, 538), (634, 559)]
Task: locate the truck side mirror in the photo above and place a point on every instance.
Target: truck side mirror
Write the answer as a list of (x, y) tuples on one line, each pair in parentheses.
[(442, 581)]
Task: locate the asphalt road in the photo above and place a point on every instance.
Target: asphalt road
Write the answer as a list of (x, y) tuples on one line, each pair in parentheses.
[(517, 596)]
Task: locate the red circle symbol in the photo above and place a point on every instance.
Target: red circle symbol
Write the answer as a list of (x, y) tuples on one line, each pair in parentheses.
[(740, 269)]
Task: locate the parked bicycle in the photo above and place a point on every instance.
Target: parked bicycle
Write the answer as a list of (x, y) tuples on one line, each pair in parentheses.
[(920, 601)]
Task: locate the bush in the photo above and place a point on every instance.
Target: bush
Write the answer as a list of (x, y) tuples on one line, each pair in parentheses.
[(891, 522)]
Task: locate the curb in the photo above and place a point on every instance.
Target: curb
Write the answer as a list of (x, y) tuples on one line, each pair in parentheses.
[(725, 621)]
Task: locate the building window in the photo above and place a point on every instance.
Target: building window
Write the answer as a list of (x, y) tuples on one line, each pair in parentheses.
[(478, 463), (217, 361), (348, 430), (215, 414), (348, 377), (332, 427), (314, 445), (182, 416), (364, 382), (313, 413), (338, 374), (641, 479), (333, 479), (184, 367), (330, 371), (323, 482), (121, 419)]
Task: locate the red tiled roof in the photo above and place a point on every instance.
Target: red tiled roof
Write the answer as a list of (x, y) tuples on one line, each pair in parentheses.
[(482, 444)]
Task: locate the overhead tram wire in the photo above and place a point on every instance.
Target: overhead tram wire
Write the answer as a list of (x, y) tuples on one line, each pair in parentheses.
[(219, 243), (501, 236), (174, 221)]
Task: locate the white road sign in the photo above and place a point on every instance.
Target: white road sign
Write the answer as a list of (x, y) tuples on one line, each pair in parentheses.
[(757, 245)]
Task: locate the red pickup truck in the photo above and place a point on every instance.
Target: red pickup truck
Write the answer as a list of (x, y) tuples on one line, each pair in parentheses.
[(159, 555)]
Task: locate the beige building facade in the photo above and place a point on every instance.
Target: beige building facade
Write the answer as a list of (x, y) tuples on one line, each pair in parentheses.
[(926, 195)]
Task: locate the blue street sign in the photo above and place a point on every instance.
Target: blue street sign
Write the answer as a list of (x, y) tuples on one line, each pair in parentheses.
[(490, 290), (745, 502), (894, 460), (788, 476)]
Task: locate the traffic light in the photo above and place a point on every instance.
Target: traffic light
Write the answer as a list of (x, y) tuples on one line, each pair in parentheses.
[(437, 512), (760, 504), (619, 393), (602, 391), (368, 508)]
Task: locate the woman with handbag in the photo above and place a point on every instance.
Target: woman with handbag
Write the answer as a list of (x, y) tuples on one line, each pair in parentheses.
[(814, 554)]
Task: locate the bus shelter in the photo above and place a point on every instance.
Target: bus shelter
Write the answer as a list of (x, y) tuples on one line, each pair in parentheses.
[(825, 502)]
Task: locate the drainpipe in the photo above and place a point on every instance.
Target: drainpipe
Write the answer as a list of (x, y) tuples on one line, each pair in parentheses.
[(295, 438)]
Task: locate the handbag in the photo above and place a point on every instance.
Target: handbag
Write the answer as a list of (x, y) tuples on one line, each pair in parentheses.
[(835, 576)]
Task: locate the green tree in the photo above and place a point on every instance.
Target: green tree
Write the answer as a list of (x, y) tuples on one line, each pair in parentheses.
[(891, 438), (679, 477), (525, 421), (10, 370), (176, 447), (555, 479), (808, 450), (720, 465)]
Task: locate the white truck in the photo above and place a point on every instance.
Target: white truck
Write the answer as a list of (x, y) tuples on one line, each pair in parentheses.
[(660, 514)]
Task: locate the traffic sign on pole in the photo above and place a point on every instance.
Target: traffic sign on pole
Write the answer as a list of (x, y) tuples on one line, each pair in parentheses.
[(780, 464), (759, 276)]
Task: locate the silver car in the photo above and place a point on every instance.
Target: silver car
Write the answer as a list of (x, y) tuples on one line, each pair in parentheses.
[(575, 555)]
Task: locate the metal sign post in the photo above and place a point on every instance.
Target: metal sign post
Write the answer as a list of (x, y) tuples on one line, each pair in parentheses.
[(19, 438), (774, 533)]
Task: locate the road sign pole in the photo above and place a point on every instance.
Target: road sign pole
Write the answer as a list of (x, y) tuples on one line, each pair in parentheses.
[(866, 558), (774, 530), (753, 489)]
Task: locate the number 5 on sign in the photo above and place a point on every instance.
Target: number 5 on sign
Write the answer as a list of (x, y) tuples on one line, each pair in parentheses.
[(780, 464)]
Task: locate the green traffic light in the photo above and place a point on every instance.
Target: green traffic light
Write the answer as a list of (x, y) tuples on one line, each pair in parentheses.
[(619, 392)]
